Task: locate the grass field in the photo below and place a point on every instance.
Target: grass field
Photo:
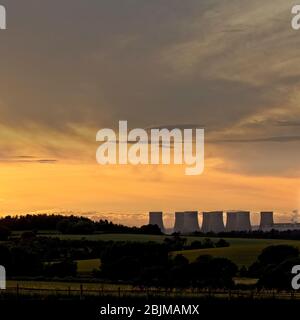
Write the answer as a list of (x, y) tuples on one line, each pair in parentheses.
[(241, 251), (87, 266)]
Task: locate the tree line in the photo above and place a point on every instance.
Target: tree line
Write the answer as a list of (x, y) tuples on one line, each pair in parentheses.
[(67, 225)]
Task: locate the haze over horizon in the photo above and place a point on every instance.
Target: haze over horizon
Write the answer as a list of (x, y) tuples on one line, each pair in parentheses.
[(232, 67)]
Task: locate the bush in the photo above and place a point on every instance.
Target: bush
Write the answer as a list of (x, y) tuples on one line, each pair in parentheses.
[(278, 276), (61, 269), (150, 229), (277, 254), (4, 233), (267, 264), (222, 244), (211, 272), (28, 236), (67, 226), (196, 245)]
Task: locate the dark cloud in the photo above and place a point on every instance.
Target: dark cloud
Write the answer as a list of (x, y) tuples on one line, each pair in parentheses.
[(66, 60), (92, 63), (100, 61)]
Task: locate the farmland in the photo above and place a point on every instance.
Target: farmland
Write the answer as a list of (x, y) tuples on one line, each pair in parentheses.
[(87, 266), (119, 265), (241, 251)]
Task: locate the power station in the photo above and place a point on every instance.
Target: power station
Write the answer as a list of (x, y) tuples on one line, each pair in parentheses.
[(156, 218), (213, 222), (231, 221), (205, 222), (243, 221), (191, 223), (179, 222), (266, 220), (236, 221)]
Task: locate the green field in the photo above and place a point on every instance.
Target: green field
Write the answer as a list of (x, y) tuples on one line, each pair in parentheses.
[(241, 251), (87, 266)]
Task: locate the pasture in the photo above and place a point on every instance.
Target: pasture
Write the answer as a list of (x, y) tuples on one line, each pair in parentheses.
[(87, 266), (243, 252)]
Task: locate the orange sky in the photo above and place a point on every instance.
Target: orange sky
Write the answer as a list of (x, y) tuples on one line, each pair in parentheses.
[(127, 190), (230, 67)]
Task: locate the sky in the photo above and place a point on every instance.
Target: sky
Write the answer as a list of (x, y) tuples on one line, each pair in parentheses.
[(72, 67)]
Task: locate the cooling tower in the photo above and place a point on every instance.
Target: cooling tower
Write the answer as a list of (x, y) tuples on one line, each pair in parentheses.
[(213, 222), (238, 221), (179, 222), (157, 218), (231, 222), (266, 220), (205, 222), (191, 223), (243, 221)]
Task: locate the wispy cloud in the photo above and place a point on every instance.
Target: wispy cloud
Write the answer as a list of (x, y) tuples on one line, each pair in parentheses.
[(26, 159), (263, 139)]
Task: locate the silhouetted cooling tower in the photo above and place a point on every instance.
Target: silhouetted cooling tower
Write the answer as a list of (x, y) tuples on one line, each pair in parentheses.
[(266, 220), (238, 221), (179, 222), (191, 223), (157, 218), (205, 222), (231, 222), (243, 219), (213, 222)]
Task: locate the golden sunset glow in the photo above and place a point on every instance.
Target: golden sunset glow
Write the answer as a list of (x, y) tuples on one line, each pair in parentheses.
[(232, 70)]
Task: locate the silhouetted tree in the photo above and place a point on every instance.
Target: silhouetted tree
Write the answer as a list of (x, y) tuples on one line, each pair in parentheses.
[(175, 243), (207, 271), (28, 236), (277, 254), (4, 233), (278, 276), (222, 243), (66, 268), (273, 266), (150, 229)]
